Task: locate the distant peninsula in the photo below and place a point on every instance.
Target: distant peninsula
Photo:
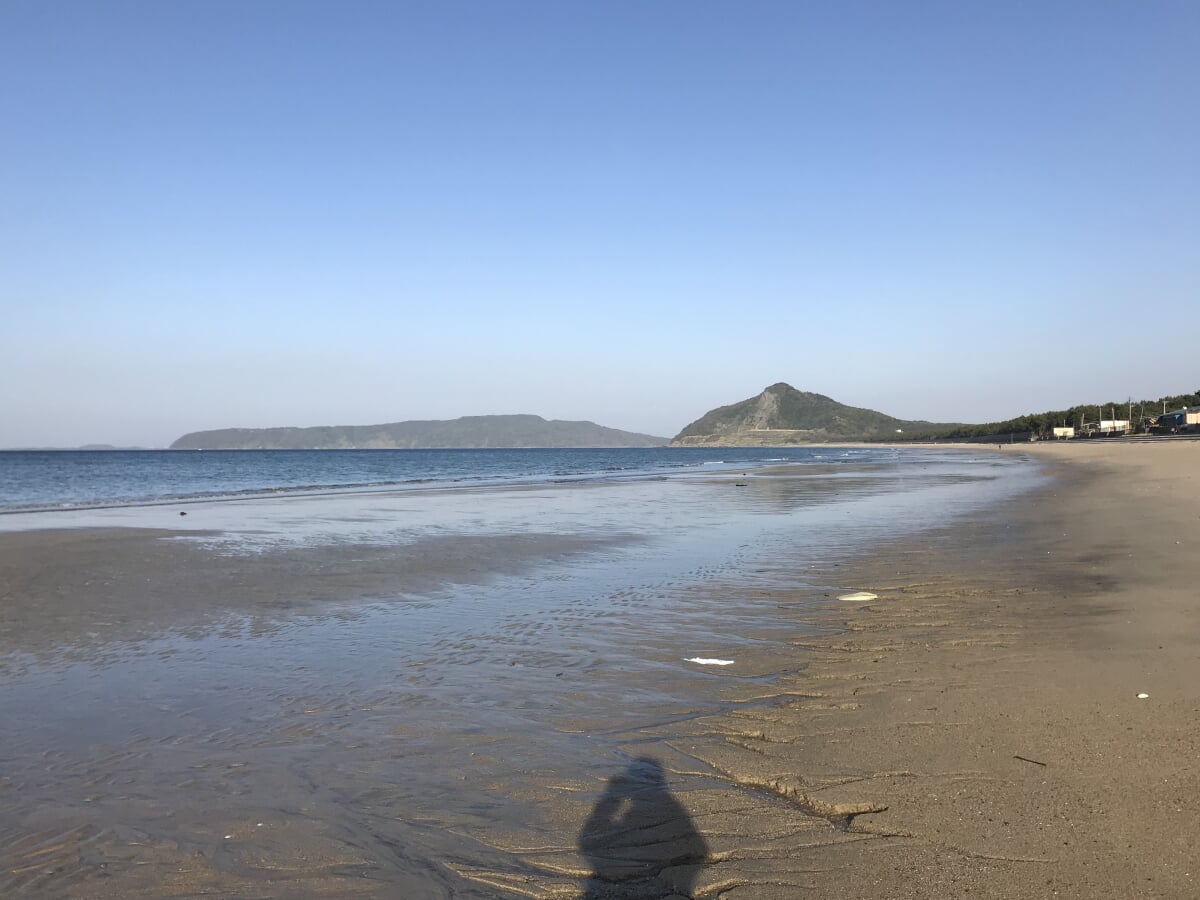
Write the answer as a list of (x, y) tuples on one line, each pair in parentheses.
[(468, 432), (783, 415)]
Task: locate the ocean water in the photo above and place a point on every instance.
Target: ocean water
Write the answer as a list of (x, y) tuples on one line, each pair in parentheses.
[(254, 501), (32, 480), (441, 656)]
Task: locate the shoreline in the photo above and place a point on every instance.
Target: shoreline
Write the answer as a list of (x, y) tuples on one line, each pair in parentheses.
[(966, 731), (97, 484)]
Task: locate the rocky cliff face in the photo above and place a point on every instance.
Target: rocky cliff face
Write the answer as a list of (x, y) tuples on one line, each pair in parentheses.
[(765, 412)]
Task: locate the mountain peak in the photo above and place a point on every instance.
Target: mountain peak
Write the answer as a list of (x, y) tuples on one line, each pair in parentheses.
[(783, 415)]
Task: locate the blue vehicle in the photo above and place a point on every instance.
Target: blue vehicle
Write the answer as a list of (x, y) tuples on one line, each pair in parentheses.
[(1175, 422)]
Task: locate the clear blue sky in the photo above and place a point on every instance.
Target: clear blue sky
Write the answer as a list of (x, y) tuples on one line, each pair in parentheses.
[(286, 213)]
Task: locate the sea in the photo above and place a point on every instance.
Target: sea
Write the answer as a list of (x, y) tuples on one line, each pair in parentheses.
[(72, 480), (410, 666)]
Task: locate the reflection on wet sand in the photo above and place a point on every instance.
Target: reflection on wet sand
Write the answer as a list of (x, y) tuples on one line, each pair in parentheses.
[(428, 718), (639, 840)]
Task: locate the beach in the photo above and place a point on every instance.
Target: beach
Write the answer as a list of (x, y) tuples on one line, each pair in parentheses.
[(990, 700), (973, 729)]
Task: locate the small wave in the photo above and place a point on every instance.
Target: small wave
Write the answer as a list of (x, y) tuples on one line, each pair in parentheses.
[(213, 496)]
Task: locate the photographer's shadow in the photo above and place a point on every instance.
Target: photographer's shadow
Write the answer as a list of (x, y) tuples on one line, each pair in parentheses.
[(639, 840)]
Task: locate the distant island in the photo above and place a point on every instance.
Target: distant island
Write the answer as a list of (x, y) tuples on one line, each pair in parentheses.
[(88, 447), (467, 432), (783, 415)]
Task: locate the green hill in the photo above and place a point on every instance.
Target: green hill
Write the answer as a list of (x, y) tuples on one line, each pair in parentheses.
[(783, 415), (468, 432)]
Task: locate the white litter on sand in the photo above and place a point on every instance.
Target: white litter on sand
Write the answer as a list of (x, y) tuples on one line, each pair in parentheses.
[(1143, 696), (859, 597), (705, 661)]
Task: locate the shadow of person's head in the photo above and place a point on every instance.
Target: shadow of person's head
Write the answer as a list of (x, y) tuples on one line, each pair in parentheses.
[(639, 840)]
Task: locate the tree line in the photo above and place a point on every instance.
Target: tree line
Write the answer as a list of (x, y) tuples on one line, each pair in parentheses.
[(1043, 424)]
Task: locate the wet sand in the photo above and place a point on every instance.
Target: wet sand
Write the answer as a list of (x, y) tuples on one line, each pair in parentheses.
[(975, 730), (72, 591), (156, 744)]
